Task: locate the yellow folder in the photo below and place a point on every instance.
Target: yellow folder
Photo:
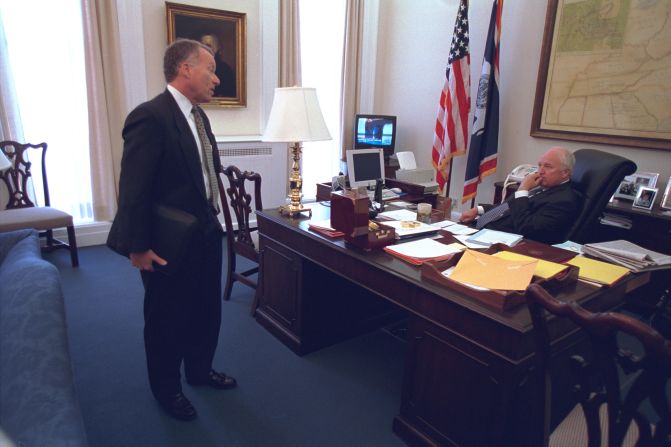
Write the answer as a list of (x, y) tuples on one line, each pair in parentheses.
[(598, 271), (484, 270), (544, 269)]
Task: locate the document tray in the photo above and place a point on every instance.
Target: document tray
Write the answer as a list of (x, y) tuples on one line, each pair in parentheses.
[(503, 300)]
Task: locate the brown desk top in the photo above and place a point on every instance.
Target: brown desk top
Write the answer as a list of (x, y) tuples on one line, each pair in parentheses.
[(401, 283)]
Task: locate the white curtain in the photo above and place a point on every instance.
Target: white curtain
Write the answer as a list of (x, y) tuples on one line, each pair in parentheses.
[(290, 45), (106, 102), (10, 118), (351, 71)]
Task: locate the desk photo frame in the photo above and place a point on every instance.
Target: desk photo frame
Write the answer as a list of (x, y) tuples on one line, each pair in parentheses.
[(225, 32), (666, 199), (645, 198), (630, 185)]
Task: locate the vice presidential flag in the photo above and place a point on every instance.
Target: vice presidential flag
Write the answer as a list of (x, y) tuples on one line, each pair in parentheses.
[(451, 133), (485, 135)]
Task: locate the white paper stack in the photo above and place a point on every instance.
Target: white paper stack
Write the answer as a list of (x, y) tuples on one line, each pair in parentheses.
[(628, 255)]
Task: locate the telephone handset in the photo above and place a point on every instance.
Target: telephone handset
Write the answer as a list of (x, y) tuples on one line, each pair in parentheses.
[(518, 174)]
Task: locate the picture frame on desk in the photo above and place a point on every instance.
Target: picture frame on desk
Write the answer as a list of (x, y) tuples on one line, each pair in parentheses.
[(666, 198), (629, 187), (645, 198)]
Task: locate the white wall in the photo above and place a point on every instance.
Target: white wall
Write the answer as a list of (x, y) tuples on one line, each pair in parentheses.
[(414, 39)]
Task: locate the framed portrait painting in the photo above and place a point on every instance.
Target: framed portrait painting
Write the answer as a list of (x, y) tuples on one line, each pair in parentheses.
[(225, 33)]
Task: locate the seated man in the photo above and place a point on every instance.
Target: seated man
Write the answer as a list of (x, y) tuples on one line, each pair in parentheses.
[(544, 206)]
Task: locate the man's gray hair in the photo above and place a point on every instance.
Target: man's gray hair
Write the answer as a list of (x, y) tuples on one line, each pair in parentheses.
[(566, 158), (177, 53)]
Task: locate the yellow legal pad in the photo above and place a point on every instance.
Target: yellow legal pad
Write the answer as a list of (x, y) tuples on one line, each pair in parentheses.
[(544, 269), (598, 271), (483, 270)]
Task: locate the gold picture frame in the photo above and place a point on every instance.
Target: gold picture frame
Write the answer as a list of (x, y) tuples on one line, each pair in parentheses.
[(578, 95), (226, 33)]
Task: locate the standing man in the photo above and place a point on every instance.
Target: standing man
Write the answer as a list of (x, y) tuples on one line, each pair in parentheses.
[(170, 158), (544, 206)]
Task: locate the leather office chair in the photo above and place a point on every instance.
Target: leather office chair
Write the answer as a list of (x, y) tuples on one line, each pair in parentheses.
[(596, 175), (605, 410), (244, 241), (21, 211)]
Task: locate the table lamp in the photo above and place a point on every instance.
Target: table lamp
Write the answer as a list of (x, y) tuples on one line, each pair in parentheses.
[(295, 117)]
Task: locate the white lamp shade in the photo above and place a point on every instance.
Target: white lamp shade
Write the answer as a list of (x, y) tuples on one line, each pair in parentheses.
[(4, 162), (295, 117)]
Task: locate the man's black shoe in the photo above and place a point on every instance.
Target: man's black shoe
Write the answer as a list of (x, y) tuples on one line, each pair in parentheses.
[(216, 380), (179, 407)]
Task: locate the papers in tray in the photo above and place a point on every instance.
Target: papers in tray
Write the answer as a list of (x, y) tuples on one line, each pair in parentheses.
[(460, 229), (544, 269), (598, 271), (423, 250), (487, 238), (323, 227), (410, 228), (491, 272), (629, 255)]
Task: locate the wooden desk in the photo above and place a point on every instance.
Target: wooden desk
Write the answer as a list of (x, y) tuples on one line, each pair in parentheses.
[(468, 376), (414, 193)]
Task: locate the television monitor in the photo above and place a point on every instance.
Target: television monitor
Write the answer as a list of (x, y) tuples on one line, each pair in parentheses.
[(375, 131), (364, 167)]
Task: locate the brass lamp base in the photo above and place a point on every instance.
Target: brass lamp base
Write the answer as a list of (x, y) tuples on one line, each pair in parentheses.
[(291, 210), (295, 207)]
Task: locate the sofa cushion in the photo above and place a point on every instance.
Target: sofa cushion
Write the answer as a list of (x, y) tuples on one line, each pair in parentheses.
[(38, 405)]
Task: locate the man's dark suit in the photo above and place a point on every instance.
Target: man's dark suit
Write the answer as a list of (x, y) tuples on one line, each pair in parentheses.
[(545, 217), (161, 165)]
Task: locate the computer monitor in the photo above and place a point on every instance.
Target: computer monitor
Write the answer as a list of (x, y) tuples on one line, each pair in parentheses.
[(364, 167), (375, 131)]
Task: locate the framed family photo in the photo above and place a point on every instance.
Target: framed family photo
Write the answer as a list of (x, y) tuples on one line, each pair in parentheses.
[(645, 198), (225, 33), (631, 184), (666, 198)]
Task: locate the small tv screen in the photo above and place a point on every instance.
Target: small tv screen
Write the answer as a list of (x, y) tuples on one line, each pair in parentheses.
[(375, 132)]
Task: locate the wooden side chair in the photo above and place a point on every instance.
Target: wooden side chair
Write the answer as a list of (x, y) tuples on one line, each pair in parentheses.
[(21, 212), (244, 240), (613, 385)]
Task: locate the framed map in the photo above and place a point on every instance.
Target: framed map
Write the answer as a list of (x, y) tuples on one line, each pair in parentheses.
[(605, 73)]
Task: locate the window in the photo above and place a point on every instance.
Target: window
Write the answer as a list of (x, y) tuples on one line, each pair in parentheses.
[(45, 44), (322, 39)]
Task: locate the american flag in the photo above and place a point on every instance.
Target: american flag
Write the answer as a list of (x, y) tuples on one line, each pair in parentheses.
[(485, 140), (451, 137)]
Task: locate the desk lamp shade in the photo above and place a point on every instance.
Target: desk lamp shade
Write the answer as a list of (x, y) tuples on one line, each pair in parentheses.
[(4, 162), (295, 117)]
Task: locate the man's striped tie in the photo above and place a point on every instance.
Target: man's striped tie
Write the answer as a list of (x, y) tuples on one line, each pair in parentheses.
[(207, 157), (498, 211)]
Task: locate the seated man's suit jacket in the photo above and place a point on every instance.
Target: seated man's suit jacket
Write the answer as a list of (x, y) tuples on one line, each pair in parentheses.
[(545, 217)]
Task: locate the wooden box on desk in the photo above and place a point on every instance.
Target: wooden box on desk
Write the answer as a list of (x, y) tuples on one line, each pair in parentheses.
[(349, 213), (500, 299), (379, 237)]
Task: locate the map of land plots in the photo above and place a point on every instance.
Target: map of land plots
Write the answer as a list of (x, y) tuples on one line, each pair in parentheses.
[(610, 68)]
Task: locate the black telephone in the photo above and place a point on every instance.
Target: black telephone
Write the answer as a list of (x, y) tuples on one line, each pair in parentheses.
[(376, 205)]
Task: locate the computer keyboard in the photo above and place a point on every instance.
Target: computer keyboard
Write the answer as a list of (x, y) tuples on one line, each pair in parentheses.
[(387, 194)]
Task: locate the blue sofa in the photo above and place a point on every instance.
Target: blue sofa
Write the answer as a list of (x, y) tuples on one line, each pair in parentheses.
[(38, 405)]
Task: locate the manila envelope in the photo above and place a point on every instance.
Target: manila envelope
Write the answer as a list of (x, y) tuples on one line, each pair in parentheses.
[(491, 272)]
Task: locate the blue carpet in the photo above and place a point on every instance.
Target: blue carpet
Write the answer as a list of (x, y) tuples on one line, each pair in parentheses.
[(344, 395)]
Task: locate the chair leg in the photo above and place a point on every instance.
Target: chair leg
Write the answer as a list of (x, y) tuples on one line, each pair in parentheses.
[(72, 242), (229, 277), (255, 303)]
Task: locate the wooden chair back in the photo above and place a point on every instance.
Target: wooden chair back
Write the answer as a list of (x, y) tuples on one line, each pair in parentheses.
[(18, 176), (240, 241), (601, 378)]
